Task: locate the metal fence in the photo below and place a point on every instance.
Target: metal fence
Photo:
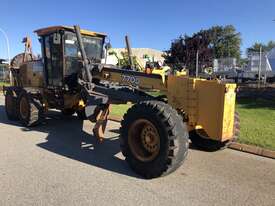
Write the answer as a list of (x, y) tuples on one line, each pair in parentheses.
[(4, 73)]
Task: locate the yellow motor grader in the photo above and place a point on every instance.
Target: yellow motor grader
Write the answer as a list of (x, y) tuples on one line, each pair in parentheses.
[(154, 132)]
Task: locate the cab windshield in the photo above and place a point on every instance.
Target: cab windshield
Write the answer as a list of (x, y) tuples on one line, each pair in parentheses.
[(92, 45)]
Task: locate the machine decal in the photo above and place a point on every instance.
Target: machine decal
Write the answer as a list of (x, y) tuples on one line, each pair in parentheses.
[(129, 79)]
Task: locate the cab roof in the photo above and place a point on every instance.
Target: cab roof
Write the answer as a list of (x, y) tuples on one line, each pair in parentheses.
[(51, 29)]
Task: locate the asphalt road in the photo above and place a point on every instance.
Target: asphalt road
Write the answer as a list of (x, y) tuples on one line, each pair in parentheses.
[(60, 163)]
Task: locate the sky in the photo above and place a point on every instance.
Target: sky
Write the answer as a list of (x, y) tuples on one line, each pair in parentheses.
[(149, 23)]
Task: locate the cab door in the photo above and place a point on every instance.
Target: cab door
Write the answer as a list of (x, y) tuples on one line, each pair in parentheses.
[(53, 59)]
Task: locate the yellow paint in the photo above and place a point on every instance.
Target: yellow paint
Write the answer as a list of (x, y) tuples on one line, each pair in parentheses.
[(209, 104), (47, 30), (160, 72)]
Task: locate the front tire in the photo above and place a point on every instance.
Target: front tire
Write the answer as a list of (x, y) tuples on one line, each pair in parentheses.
[(154, 139)]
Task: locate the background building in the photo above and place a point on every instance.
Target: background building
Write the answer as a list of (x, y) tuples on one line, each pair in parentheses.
[(224, 64), (254, 62), (271, 58)]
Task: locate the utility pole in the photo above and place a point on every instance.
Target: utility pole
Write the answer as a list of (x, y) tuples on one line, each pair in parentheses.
[(8, 50), (8, 44), (266, 64), (260, 67), (197, 63)]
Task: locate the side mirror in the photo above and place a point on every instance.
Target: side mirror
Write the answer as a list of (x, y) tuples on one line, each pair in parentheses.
[(108, 46)]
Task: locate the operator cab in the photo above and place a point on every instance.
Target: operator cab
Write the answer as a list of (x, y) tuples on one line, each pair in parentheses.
[(61, 54)]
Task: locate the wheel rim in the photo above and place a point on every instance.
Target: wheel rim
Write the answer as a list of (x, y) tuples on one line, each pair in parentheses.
[(144, 140), (24, 107)]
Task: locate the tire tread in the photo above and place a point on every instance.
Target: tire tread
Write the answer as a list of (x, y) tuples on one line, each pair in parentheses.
[(176, 133)]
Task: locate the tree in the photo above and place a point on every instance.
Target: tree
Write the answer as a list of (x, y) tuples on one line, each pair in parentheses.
[(226, 41), (216, 42), (256, 47)]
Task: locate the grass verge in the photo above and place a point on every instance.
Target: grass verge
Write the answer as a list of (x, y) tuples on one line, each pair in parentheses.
[(257, 122), (119, 109), (3, 84)]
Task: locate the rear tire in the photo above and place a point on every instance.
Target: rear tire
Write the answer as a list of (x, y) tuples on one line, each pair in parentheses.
[(154, 139), (10, 106), (29, 110), (210, 145)]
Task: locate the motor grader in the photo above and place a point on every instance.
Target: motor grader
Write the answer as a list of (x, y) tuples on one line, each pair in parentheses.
[(154, 132)]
